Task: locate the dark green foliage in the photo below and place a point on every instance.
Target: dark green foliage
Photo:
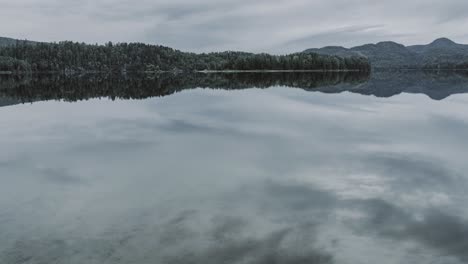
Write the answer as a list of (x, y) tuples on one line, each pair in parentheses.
[(8, 64), (138, 57)]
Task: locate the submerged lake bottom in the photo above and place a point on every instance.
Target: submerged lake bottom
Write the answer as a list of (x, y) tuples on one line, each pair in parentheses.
[(235, 168)]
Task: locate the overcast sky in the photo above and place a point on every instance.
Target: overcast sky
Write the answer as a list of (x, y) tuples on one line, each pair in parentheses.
[(277, 26)]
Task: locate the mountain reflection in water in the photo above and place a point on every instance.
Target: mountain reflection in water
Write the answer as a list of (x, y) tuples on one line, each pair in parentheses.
[(436, 85)]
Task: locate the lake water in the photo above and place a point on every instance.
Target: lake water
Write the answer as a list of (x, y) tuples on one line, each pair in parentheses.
[(306, 168)]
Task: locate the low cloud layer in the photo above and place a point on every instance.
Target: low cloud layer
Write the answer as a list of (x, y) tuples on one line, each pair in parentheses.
[(276, 26)]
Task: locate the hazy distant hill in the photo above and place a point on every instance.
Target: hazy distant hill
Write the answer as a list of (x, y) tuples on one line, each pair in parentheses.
[(4, 42), (336, 51), (442, 53), (387, 54), (7, 41)]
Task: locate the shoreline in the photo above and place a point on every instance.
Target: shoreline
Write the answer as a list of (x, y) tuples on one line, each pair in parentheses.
[(10, 73), (173, 72), (273, 71)]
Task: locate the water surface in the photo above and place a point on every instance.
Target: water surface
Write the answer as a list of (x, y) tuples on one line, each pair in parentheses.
[(301, 169)]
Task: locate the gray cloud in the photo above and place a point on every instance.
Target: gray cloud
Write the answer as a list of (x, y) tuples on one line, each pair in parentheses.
[(298, 197), (440, 231), (277, 26), (130, 216), (61, 176), (413, 171), (455, 127), (273, 248), (228, 239)]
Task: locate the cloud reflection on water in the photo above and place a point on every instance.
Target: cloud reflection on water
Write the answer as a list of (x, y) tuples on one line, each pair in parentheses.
[(254, 176)]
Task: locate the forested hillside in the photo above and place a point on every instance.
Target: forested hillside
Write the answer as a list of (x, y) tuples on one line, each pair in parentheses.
[(137, 57), (7, 41), (11, 42), (440, 54)]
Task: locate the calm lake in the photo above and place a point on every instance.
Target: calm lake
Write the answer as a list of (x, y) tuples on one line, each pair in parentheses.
[(310, 168)]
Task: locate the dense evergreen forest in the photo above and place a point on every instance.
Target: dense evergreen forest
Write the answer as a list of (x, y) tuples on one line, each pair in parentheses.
[(70, 57)]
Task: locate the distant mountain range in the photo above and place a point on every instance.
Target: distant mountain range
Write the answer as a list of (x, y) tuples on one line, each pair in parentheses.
[(4, 42), (441, 53)]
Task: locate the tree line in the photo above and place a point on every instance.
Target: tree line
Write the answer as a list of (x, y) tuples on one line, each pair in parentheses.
[(138, 57), (446, 66)]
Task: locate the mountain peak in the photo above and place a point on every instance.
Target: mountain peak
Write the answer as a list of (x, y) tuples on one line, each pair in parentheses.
[(442, 42), (389, 44)]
